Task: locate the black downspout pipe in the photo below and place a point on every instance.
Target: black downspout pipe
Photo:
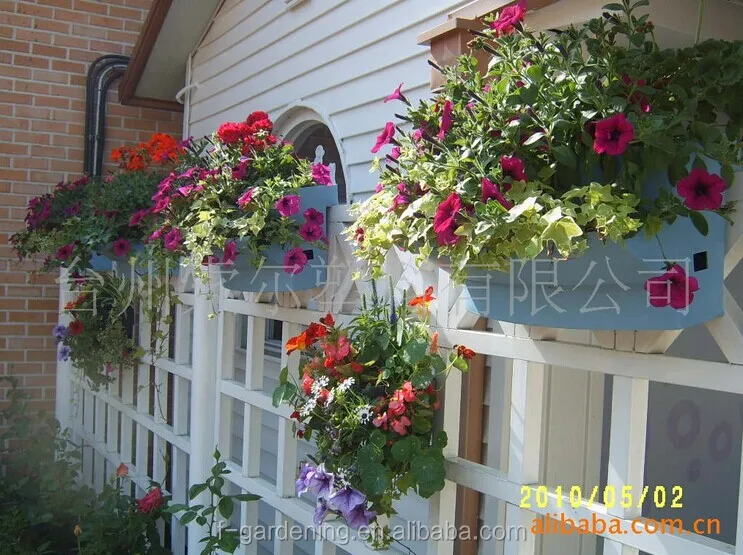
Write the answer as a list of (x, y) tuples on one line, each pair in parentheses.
[(102, 72)]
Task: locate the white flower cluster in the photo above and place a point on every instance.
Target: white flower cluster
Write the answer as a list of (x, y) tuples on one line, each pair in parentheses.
[(341, 478), (345, 385), (308, 407)]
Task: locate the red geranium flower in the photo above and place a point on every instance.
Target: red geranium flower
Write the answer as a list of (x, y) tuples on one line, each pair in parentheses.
[(509, 18), (701, 190), (673, 288), (76, 327), (612, 135)]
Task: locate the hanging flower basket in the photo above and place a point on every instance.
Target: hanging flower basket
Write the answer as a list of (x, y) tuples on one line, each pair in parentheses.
[(590, 154), (287, 267), (367, 394)]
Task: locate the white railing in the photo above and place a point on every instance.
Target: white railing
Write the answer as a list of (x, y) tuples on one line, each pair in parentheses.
[(200, 390)]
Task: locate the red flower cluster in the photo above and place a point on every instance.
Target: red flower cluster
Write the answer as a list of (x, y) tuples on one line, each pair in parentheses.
[(161, 149), (252, 134), (397, 411), (77, 303)]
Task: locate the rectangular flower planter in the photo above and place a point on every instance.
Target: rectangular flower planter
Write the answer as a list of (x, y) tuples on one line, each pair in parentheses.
[(272, 276), (605, 287)]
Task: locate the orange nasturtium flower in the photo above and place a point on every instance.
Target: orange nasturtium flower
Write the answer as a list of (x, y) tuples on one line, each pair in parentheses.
[(305, 339), (434, 343), (425, 299), (465, 353)]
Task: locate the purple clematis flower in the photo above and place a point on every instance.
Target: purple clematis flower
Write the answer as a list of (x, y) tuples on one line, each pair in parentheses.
[(347, 499)]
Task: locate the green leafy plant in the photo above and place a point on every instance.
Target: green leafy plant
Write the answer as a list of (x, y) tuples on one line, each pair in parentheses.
[(562, 134), (100, 337), (367, 395), (221, 504)]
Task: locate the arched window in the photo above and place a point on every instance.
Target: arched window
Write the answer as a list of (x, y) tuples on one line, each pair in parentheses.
[(313, 141)]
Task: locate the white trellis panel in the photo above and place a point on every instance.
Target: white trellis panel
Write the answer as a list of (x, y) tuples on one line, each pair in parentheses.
[(185, 405)]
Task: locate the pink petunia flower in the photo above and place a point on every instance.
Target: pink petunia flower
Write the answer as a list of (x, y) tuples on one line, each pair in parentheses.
[(384, 137), (288, 205), (399, 201), (65, 251), (701, 190), (173, 239), (294, 261), (508, 19), (121, 247), (311, 232), (446, 119), (157, 234), (673, 288), (230, 253), (397, 95), (137, 217), (491, 191), (321, 174), (612, 135), (161, 205), (514, 168), (445, 220), (314, 216), (246, 198)]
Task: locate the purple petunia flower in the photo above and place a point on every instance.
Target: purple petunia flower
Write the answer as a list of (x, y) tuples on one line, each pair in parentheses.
[(321, 511), (321, 482), (60, 332), (347, 499), (64, 353), (305, 473), (359, 516)]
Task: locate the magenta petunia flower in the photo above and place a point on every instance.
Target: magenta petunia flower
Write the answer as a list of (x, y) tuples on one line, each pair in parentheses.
[(514, 168), (445, 220), (397, 94), (294, 261), (121, 247), (321, 174), (674, 288), (701, 190), (508, 19), (241, 170), (637, 98), (65, 251), (612, 135), (288, 205), (161, 205), (73, 210), (395, 154), (173, 239), (491, 191), (314, 216), (384, 137), (246, 198), (446, 119), (378, 188), (137, 217), (311, 232), (230, 253), (157, 234), (399, 201)]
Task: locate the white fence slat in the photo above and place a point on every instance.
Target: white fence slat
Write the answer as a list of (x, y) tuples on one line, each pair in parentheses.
[(62, 407), (629, 409), (203, 394)]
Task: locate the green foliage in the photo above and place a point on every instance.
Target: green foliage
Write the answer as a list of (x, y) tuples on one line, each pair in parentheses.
[(218, 539), (538, 100)]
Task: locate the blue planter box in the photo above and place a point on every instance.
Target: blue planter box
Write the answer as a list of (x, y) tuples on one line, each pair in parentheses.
[(604, 288), (103, 261), (271, 277)]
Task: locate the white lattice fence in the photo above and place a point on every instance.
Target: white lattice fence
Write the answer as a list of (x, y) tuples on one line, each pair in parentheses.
[(203, 399)]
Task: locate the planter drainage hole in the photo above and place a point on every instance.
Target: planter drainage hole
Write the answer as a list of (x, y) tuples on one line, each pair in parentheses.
[(700, 261), (311, 256)]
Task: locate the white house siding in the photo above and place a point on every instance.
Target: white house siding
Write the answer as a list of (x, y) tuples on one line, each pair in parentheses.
[(340, 57)]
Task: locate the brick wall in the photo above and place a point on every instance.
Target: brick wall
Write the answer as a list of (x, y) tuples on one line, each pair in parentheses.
[(46, 47)]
